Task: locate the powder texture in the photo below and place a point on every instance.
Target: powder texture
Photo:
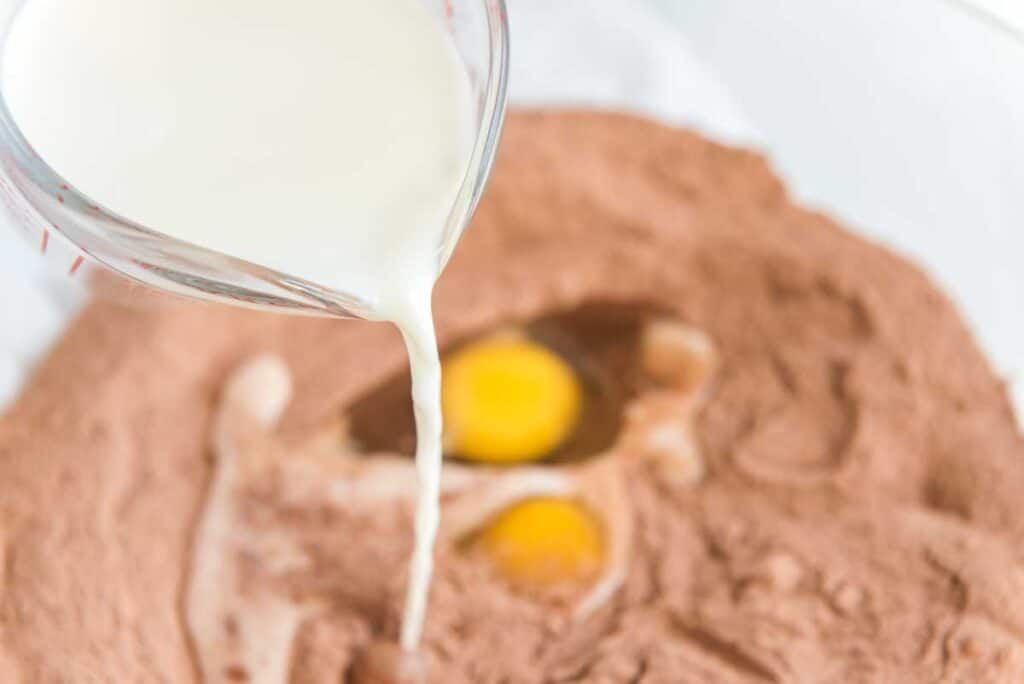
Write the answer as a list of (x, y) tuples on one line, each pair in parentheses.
[(858, 520)]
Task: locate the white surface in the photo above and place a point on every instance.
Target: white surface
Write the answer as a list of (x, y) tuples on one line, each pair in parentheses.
[(615, 54), (641, 56), (1010, 12)]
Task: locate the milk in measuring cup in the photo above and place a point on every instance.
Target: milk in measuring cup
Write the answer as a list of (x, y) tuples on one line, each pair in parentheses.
[(323, 138)]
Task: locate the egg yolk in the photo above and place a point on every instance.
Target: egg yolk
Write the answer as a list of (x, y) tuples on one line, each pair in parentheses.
[(545, 542), (508, 400)]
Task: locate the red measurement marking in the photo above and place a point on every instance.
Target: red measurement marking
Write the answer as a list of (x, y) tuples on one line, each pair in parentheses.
[(60, 198), (76, 264), (46, 241), (64, 187), (449, 9)]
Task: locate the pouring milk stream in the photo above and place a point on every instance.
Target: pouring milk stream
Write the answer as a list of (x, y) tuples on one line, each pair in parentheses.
[(326, 139)]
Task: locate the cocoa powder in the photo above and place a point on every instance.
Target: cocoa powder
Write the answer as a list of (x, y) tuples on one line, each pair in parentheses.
[(858, 520)]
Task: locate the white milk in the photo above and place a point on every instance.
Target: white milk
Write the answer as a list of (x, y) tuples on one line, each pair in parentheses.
[(323, 138)]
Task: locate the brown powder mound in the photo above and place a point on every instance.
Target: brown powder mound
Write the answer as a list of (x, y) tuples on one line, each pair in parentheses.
[(859, 521)]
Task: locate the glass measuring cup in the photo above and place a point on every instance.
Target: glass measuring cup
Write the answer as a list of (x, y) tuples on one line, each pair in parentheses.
[(50, 210)]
